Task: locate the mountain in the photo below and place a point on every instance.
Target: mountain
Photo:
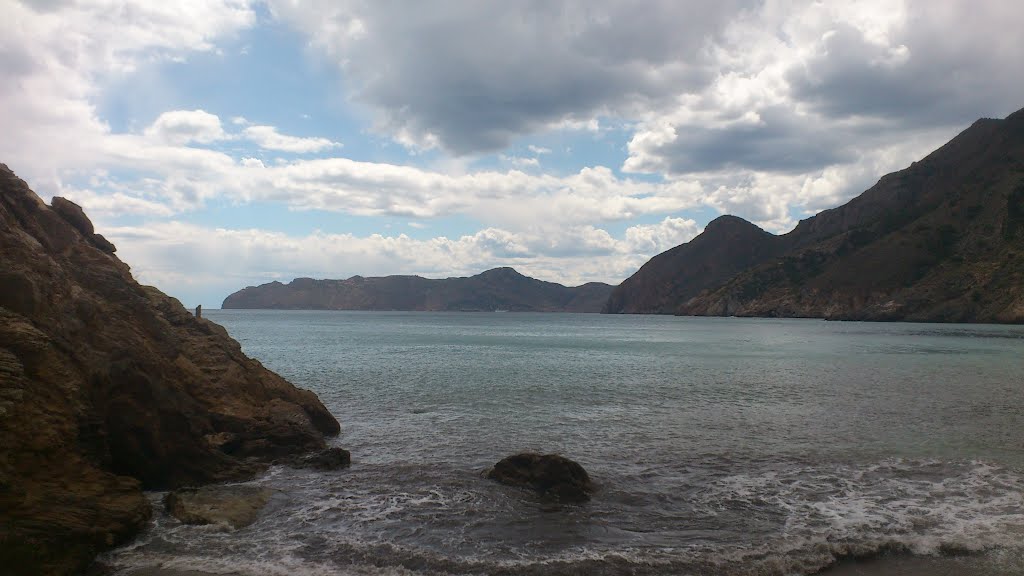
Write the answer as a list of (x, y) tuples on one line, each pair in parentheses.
[(727, 246), (108, 388), (497, 289), (941, 241)]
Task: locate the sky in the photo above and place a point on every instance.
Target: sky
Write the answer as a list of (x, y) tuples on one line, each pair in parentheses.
[(227, 143)]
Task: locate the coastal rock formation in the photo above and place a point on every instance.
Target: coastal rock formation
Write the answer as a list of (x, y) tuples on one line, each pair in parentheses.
[(497, 289), (228, 506), (941, 241), (550, 475), (108, 387)]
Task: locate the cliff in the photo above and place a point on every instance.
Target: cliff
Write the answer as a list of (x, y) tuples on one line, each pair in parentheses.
[(497, 289), (108, 387), (941, 241)]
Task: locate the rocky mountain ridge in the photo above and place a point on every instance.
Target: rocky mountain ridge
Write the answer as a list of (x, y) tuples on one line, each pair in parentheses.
[(941, 241), (108, 387), (496, 289)]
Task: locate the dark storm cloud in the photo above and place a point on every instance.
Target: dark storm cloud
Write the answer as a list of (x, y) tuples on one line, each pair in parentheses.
[(779, 141), (475, 74)]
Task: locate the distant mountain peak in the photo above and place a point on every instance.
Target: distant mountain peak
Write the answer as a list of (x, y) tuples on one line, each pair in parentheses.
[(728, 222), (501, 271)]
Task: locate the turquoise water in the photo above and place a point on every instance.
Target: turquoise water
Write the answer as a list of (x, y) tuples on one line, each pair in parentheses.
[(719, 445)]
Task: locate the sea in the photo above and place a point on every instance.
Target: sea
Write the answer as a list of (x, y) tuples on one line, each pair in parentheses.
[(720, 446)]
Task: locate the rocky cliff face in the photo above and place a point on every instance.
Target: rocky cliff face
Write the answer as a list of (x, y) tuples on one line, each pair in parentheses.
[(941, 241), (108, 387), (497, 289)]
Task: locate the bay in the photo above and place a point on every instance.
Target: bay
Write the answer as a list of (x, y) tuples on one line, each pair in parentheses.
[(719, 445)]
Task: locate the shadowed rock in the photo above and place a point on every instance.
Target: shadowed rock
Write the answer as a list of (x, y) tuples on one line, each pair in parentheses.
[(74, 215), (551, 475)]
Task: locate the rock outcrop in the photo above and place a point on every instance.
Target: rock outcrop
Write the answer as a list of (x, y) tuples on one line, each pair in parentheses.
[(497, 289), (941, 241), (108, 387), (550, 475)]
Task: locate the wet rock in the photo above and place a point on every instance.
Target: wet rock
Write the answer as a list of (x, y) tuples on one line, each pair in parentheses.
[(229, 506), (551, 475), (330, 459)]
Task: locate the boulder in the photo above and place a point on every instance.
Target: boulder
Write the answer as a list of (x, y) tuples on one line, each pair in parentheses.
[(552, 476), (330, 459), (103, 244), (74, 215), (228, 506)]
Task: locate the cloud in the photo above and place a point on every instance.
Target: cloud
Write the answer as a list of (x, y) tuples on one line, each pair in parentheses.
[(470, 77), (186, 126), (56, 57), (939, 64), (769, 110), (656, 238), (521, 162), (268, 138)]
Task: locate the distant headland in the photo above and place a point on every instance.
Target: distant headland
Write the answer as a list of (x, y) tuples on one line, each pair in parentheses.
[(500, 289)]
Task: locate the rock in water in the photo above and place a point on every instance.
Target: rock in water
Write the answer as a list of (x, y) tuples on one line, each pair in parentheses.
[(108, 387), (330, 459), (551, 475), (229, 506)]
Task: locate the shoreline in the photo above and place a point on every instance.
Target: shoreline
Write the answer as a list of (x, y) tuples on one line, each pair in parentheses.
[(989, 563)]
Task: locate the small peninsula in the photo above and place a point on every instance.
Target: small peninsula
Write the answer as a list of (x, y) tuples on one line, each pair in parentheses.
[(109, 388), (941, 241), (497, 289)]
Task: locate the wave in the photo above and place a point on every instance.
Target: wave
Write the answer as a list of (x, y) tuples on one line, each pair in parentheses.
[(777, 519)]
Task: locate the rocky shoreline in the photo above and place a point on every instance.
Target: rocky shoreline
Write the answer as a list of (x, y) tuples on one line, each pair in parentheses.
[(109, 388)]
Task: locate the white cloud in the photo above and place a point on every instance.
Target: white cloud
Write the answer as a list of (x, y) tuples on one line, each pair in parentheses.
[(656, 238), (521, 162), (186, 126), (267, 137), (55, 57)]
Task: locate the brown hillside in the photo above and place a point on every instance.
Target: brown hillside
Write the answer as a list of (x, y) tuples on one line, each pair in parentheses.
[(941, 241)]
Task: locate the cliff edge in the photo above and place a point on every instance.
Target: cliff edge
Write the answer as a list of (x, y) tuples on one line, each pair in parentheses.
[(108, 387)]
